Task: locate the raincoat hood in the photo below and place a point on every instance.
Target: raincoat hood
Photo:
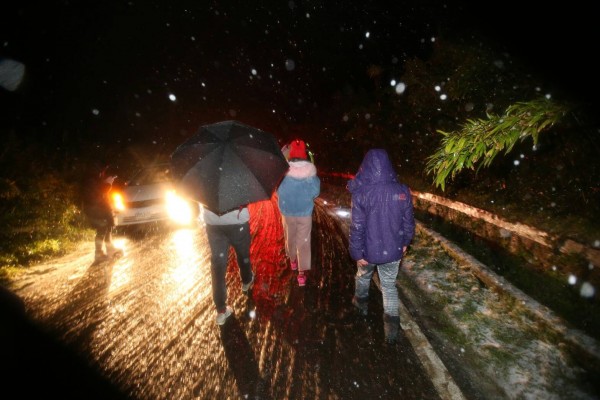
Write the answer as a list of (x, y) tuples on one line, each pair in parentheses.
[(375, 168)]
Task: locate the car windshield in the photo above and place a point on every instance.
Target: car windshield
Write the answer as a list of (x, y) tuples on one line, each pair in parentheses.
[(151, 175)]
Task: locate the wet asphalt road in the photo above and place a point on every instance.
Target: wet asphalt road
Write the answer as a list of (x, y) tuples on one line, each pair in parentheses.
[(146, 323)]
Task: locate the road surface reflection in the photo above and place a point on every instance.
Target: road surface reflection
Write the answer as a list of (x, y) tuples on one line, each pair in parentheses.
[(147, 320)]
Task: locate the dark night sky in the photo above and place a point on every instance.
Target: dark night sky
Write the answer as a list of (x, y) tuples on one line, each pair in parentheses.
[(105, 69)]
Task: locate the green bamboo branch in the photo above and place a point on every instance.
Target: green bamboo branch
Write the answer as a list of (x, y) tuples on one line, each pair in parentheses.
[(481, 140)]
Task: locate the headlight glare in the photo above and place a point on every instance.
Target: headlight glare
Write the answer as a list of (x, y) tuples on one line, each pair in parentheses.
[(179, 210)]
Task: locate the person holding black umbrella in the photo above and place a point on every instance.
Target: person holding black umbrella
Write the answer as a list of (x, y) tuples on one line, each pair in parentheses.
[(225, 166), (296, 196), (230, 229)]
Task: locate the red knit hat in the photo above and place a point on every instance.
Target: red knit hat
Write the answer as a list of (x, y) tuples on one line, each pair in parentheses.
[(298, 149)]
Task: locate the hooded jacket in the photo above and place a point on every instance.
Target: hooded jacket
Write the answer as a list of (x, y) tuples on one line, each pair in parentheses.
[(299, 189), (382, 211)]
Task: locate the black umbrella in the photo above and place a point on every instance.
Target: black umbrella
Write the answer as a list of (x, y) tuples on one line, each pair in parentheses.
[(228, 164)]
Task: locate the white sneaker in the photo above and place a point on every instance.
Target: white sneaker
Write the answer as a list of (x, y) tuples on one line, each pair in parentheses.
[(248, 286), (222, 316)]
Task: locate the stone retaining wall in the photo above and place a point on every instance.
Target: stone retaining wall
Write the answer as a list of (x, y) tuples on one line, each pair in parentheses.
[(538, 248)]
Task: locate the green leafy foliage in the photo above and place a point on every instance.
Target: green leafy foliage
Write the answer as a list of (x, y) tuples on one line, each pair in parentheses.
[(39, 209), (481, 140), (40, 220)]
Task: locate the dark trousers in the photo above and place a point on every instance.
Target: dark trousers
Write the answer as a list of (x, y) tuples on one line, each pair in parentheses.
[(103, 237), (104, 234), (220, 238)]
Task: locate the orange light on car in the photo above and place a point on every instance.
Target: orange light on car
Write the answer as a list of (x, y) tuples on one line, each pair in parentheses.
[(118, 201)]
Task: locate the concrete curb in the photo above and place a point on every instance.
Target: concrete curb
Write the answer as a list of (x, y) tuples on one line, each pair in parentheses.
[(440, 377)]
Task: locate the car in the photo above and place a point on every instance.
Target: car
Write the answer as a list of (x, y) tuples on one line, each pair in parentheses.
[(150, 197)]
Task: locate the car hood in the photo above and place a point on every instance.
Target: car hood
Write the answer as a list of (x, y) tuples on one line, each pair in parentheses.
[(146, 192)]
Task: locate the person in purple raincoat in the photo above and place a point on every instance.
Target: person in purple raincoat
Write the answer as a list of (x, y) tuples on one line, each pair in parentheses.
[(382, 228)]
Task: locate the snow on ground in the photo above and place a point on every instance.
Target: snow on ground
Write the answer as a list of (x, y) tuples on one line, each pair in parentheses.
[(510, 345)]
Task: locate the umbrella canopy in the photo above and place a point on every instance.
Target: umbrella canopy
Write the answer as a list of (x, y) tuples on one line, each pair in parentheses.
[(227, 165)]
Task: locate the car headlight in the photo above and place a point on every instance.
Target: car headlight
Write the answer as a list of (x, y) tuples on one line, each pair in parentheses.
[(179, 209)]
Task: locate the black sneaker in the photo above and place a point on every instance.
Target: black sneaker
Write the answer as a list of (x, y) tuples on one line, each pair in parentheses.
[(361, 308), (391, 327)]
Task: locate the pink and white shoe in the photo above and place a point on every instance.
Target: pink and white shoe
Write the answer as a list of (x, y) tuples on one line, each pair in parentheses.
[(294, 265), (301, 280)]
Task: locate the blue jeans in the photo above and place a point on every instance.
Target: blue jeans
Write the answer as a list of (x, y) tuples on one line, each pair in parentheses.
[(388, 273), (220, 238)]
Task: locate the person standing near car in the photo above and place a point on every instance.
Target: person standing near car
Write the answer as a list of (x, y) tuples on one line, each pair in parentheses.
[(98, 210), (231, 229), (296, 200), (382, 227)]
